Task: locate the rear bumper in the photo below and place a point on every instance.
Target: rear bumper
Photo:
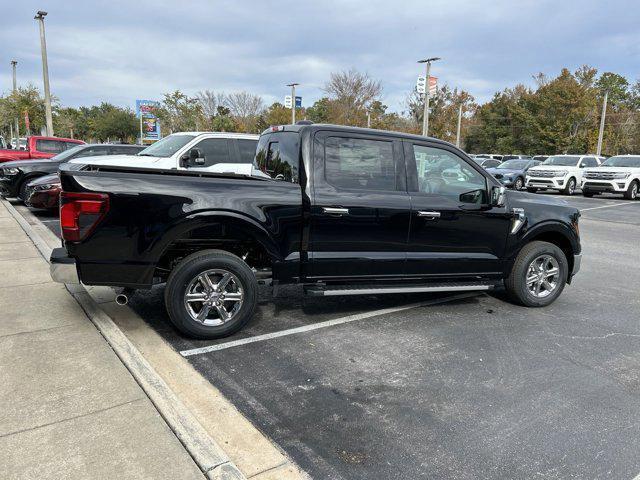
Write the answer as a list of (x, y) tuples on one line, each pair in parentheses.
[(63, 267)]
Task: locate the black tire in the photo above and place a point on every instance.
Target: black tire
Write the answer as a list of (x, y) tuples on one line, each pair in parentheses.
[(22, 190), (516, 284), (632, 191), (532, 190), (570, 189), (518, 184), (187, 271), (587, 193)]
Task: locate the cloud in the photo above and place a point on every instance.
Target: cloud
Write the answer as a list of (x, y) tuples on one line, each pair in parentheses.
[(118, 51)]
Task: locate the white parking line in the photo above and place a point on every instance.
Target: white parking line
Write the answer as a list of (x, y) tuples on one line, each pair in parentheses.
[(606, 206), (316, 326)]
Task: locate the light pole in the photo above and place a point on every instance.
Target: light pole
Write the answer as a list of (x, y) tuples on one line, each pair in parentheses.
[(425, 117), (45, 73), (604, 114), (14, 64), (293, 101), (459, 123)]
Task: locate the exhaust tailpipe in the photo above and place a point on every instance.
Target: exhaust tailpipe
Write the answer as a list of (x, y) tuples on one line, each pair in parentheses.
[(123, 297)]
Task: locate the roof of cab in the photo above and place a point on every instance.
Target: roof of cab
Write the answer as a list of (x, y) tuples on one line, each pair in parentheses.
[(346, 129), (251, 136)]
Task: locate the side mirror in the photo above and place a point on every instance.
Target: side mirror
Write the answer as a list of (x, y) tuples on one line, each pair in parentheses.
[(582, 165), (192, 159), (498, 195), (477, 197)]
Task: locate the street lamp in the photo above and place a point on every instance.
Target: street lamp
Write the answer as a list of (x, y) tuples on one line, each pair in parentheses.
[(14, 64), (293, 101), (425, 117), (45, 72)]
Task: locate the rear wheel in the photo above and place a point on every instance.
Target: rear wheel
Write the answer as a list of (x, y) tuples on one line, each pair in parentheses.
[(571, 187), (211, 294), (538, 275), (587, 194), (532, 190), (632, 191)]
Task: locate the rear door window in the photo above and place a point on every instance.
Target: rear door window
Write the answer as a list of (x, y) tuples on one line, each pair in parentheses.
[(360, 164), (247, 149), (93, 151)]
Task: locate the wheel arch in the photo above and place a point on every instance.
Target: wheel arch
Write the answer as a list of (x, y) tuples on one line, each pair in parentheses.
[(558, 234), (227, 231)]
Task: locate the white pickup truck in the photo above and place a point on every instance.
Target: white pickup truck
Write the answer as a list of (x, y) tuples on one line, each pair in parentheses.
[(560, 172), (205, 151), (619, 174)]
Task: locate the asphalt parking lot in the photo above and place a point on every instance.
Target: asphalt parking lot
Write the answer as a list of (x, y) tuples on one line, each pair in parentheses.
[(423, 386)]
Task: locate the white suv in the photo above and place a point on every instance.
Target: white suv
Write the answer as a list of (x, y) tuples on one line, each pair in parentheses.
[(619, 174), (560, 172)]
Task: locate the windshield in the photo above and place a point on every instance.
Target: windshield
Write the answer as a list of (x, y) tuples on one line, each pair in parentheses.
[(61, 157), (514, 164), (167, 146), (565, 161), (622, 161)]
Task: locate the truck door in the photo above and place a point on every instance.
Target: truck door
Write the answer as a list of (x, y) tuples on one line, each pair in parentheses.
[(453, 230), (359, 207)]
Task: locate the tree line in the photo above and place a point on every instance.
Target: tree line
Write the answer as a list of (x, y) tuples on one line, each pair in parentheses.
[(558, 115)]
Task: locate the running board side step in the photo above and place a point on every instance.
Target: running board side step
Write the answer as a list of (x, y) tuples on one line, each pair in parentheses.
[(330, 291)]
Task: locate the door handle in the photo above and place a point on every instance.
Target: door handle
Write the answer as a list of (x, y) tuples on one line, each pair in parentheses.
[(429, 215), (335, 211)]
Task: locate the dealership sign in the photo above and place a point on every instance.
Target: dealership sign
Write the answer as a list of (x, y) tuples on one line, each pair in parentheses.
[(149, 123)]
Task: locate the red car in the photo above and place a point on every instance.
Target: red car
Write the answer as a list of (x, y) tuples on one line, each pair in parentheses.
[(39, 147), (43, 192)]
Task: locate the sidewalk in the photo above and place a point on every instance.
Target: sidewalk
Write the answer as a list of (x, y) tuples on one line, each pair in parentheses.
[(68, 406)]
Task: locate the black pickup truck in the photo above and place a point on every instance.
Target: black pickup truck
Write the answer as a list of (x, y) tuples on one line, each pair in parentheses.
[(340, 210)]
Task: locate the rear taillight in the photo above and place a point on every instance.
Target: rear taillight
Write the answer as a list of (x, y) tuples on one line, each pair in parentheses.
[(80, 213)]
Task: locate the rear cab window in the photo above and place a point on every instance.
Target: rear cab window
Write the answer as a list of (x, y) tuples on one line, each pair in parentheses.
[(277, 155), (247, 150), (50, 146)]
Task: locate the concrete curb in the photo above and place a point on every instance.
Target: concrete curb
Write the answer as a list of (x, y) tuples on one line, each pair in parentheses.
[(207, 454)]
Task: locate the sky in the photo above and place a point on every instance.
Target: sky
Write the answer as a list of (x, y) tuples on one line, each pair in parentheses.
[(119, 51)]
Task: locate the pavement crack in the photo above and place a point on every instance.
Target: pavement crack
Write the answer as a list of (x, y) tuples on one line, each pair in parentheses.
[(597, 337), (68, 419)]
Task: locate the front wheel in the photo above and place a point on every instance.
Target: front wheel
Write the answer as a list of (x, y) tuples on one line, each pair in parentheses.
[(211, 294), (532, 190), (632, 191), (539, 274), (518, 184), (571, 187), (587, 194)]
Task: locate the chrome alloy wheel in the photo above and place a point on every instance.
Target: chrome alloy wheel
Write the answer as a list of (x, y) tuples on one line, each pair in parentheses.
[(543, 276), (634, 191), (214, 297)]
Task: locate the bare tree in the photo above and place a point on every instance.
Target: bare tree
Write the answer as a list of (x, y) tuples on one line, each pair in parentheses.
[(351, 93), (244, 104), (209, 102)]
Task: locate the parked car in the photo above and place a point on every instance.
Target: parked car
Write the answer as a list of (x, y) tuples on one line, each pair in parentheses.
[(486, 162), (512, 172), (619, 174), (43, 192), (515, 157), (345, 211), (39, 147), (560, 172), (14, 176), (210, 151), (493, 156)]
